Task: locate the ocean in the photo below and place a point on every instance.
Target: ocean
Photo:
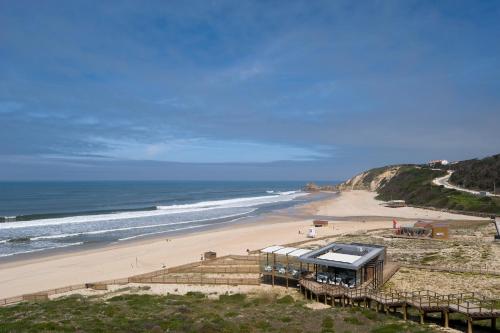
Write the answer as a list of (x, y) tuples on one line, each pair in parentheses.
[(40, 216)]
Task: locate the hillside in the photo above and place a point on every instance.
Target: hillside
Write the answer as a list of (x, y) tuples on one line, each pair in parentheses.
[(413, 183), (195, 312), (478, 174)]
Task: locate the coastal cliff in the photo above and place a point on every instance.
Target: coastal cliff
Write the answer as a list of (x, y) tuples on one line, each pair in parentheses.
[(371, 180), (414, 184)]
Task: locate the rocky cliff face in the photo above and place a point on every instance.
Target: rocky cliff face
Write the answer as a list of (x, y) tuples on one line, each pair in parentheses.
[(370, 180)]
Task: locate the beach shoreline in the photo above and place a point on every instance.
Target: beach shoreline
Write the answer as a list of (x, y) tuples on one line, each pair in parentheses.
[(300, 209), (353, 211)]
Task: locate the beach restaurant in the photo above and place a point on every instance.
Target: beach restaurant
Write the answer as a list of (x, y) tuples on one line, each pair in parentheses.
[(348, 265)]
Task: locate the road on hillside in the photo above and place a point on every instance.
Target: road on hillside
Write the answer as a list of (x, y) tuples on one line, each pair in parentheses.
[(444, 182)]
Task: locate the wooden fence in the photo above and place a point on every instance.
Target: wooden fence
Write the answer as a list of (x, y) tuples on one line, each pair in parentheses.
[(166, 279), (42, 295), (222, 269), (453, 269), (207, 266)]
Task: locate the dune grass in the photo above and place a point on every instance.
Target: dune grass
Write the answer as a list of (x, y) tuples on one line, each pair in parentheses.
[(192, 313)]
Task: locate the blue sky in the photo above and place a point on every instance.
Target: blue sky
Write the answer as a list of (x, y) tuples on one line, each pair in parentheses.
[(244, 90)]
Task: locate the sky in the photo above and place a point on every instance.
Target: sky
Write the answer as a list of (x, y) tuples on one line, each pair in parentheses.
[(244, 90)]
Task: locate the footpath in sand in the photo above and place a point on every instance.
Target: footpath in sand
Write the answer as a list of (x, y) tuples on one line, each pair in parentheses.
[(37, 273)]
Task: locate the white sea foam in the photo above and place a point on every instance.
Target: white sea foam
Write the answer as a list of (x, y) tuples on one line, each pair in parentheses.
[(235, 203), (290, 193), (43, 249), (173, 230), (97, 232), (161, 210)]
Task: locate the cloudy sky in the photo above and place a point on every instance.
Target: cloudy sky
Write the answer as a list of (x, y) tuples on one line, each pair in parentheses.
[(244, 90)]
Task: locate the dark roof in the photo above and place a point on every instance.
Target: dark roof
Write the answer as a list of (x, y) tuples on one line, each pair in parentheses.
[(365, 251)]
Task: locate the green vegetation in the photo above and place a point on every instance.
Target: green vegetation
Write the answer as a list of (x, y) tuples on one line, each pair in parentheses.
[(192, 313), (395, 328), (413, 184), (430, 258), (478, 174)]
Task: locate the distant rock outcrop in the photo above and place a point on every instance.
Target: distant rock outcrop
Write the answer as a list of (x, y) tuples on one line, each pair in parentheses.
[(312, 187)]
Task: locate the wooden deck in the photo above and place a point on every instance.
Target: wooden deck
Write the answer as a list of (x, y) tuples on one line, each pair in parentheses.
[(472, 306)]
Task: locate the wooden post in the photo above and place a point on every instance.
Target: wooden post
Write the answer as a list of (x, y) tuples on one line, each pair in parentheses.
[(422, 315), (493, 324), (286, 271), (469, 325), (446, 317), (325, 299), (274, 266), (405, 312)]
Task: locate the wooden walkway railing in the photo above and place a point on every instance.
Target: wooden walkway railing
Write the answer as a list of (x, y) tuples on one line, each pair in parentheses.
[(454, 269), (474, 306)]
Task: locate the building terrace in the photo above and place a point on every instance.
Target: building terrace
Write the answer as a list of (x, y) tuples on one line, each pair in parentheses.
[(348, 265)]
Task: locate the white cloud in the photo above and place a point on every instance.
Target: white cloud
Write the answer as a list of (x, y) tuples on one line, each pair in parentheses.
[(200, 150)]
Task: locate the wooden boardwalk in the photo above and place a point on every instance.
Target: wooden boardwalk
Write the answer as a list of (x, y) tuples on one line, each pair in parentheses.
[(470, 305)]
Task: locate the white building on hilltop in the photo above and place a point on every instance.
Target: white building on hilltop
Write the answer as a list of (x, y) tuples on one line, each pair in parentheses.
[(435, 162)]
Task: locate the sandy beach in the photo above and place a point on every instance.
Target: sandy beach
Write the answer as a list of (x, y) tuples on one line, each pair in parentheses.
[(363, 203), (130, 258)]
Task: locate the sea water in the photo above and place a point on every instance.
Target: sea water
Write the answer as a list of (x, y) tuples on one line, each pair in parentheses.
[(38, 216)]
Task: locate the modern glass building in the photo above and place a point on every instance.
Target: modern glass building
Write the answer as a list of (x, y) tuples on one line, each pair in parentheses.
[(348, 265)]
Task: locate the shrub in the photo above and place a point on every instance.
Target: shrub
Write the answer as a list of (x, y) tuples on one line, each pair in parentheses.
[(286, 300), (369, 314), (327, 322), (195, 294), (389, 328), (352, 320), (236, 298)]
